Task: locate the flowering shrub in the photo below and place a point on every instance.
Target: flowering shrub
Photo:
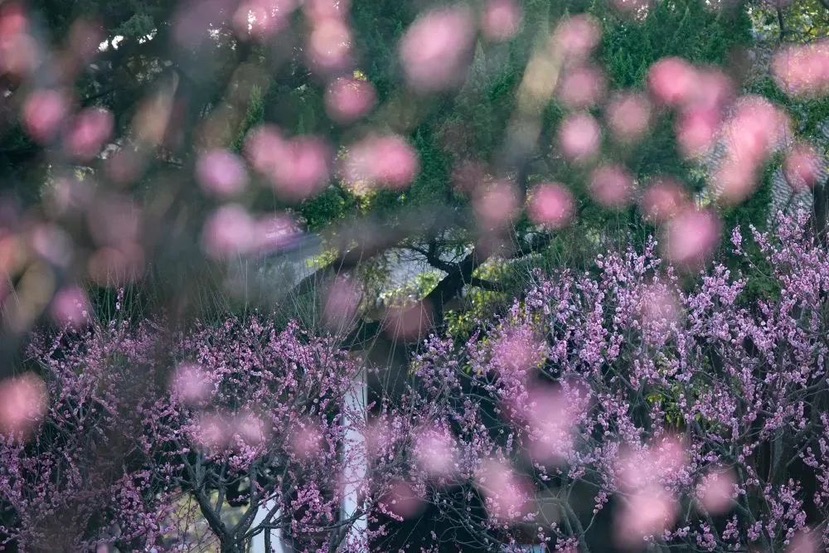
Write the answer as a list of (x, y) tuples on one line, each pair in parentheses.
[(689, 414), (241, 415)]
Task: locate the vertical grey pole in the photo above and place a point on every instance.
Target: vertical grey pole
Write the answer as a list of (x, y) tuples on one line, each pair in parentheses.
[(355, 467)]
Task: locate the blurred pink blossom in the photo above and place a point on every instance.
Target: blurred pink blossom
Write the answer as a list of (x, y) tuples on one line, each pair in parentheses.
[(71, 307), (44, 113), (611, 186), (577, 37), (501, 20), (551, 205), (347, 100), (436, 49), (691, 237), (435, 452), (305, 440), (645, 513), (579, 137), (552, 417), (496, 205), (805, 541), (659, 307), (664, 199), (508, 497), (734, 181), (715, 90), (582, 87), (19, 54), (716, 491), (318, 10), (628, 117), (221, 173), (298, 168), (409, 322), (696, 131), (517, 351), (191, 384), (89, 132), (23, 403), (341, 303), (228, 231), (329, 45), (212, 433), (381, 161), (672, 81), (802, 167), (52, 243), (402, 500), (125, 166), (803, 70), (249, 428), (756, 129)]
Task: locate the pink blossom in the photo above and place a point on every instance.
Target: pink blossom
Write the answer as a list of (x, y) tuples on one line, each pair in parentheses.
[(735, 181), (347, 100), (221, 173), (716, 491), (211, 433), (802, 167), (402, 500), (672, 81), (436, 49), (508, 496), (646, 513), (191, 384), (408, 322), (611, 186), (802, 71), (114, 220), (551, 205), (89, 132), (696, 131), (319, 10), (579, 137), (44, 113), (691, 237), (329, 45), (756, 129), (628, 117), (71, 307), (582, 87), (577, 37), (381, 161), (298, 168), (228, 231), (23, 403), (496, 205), (263, 18), (341, 303), (664, 199), (501, 20), (306, 440), (435, 451)]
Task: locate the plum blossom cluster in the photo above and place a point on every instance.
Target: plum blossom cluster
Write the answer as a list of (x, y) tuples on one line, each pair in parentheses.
[(130, 420), (684, 415)]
